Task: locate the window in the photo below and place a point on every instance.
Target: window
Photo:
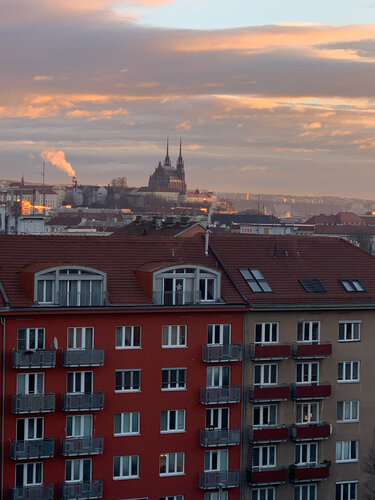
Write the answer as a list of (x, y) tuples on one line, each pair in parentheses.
[(349, 331), (307, 413), (218, 334), (312, 285), (346, 490), (348, 371), (80, 338), (173, 378), (308, 331), (266, 333), (172, 421), (128, 337), (207, 289), (29, 339), (215, 460), (305, 492), (307, 373), (264, 415), (29, 429), (255, 280), (306, 454), (263, 494), (128, 380), (78, 470), (126, 467), (217, 418), (218, 376), (352, 285), (81, 382), (30, 474), (174, 336), (127, 423), (70, 286), (171, 464), (347, 451), (264, 456), (173, 497), (30, 383), (79, 426), (347, 411), (265, 374)]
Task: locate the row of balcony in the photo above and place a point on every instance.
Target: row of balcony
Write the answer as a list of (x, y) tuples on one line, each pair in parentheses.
[(68, 491), (46, 358), (41, 403), (293, 473), (302, 432), (219, 479), (45, 448), (286, 391)]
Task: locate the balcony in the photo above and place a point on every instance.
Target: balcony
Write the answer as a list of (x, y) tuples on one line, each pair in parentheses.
[(218, 353), (267, 476), (87, 445), (313, 391), (269, 393), (218, 395), (83, 402), (301, 351), (179, 298), (83, 357), (269, 351), (219, 479), (84, 490), (300, 474), (41, 492), (39, 358), (310, 432), (220, 437), (33, 403), (269, 434), (37, 448)]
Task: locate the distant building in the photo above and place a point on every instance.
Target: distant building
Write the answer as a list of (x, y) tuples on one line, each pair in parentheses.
[(167, 177)]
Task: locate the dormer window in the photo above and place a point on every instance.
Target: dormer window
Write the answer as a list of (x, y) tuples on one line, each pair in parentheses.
[(186, 285), (70, 287)]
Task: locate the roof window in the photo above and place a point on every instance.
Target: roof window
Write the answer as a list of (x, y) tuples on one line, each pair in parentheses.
[(352, 285), (255, 280), (312, 285)]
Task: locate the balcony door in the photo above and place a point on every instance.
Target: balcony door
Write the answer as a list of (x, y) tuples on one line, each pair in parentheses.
[(217, 418), (215, 460), (80, 382), (218, 376)]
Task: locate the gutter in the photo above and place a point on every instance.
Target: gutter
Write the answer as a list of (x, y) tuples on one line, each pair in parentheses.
[(317, 307), (3, 323)]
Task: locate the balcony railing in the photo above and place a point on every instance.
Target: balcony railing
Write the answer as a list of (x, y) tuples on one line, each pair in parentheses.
[(269, 351), (219, 479), (83, 402), (218, 395), (267, 476), (310, 432), (84, 490), (313, 391), (41, 492), (269, 392), (300, 474), (220, 437), (269, 434), (301, 351), (37, 448), (224, 352), (83, 357), (39, 358), (33, 403), (176, 298), (87, 445)]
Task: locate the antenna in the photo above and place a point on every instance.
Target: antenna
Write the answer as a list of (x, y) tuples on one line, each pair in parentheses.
[(44, 190)]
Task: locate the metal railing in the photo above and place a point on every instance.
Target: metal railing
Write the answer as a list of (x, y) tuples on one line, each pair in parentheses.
[(40, 358), (41, 492), (78, 402), (83, 357), (214, 395), (84, 490), (220, 437), (37, 448), (33, 403), (217, 479), (86, 445), (176, 298), (224, 352)]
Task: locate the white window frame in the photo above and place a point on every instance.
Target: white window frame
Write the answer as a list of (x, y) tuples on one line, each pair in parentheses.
[(30, 428), (305, 492), (130, 337), (346, 495), (263, 493), (73, 341), (133, 386), (343, 366), (129, 423), (78, 424), (219, 334), (174, 382), (216, 460), (80, 464), (265, 415), (350, 331), (306, 409), (34, 339), (344, 451), (267, 374), (33, 466), (126, 466), (308, 450), (174, 497), (170, 462), (266, 333), (216, 416), (37, 383), (305, 332), (306, 375), (77, 379), (170, 416), (216, 376), (348, 408), (266, 456), (174, 336)]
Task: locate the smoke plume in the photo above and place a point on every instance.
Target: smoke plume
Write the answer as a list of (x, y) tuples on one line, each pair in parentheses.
[(57, 158)]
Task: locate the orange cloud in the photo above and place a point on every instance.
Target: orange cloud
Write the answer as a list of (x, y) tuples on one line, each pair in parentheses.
[(39, 78), (193, 147), (104, 114), (185, 125), (312, 126)]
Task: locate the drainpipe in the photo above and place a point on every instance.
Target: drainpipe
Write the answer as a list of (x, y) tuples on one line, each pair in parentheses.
[(3, 323)]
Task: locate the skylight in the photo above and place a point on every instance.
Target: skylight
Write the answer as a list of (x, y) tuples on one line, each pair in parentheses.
[(352, 285), (255, 280), (312, 285)]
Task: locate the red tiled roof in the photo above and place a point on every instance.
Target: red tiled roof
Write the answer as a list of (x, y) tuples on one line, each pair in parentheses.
[(345, 229), (340, 218)]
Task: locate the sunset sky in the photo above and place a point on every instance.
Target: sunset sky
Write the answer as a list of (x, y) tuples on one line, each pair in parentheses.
[(269, 97)]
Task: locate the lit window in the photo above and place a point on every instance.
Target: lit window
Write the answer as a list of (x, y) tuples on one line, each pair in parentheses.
[(127, 423), (173, 378), (255, 280), (347, 411), (306, 454), (348, 371), (349, 331), (307, 413), (266, 333), (308, 331), (174, 336), (346, 490), (347, 451), (352, 285), (128, 380), (172, 421), (128, 337), (171, 464), (126, 467), (312, 285)]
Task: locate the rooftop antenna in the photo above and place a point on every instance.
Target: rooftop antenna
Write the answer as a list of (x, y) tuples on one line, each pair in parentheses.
[(44, 191)]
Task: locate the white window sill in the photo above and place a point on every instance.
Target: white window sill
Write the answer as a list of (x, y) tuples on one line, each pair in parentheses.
[(125, 478), (169, 474)]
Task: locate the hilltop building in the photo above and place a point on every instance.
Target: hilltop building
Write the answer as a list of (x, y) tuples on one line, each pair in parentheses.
[(167, 177)]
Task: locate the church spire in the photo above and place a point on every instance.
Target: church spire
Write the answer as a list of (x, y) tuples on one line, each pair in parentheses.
[(180, 161), (167, 160), (181, 169)]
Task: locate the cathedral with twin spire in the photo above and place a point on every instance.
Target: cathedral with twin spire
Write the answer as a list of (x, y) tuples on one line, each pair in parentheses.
[(166, 177)]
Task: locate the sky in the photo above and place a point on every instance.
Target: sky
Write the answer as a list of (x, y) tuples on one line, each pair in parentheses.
[(267, 97)]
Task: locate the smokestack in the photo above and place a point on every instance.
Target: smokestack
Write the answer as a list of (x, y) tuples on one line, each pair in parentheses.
[(74, 180)]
